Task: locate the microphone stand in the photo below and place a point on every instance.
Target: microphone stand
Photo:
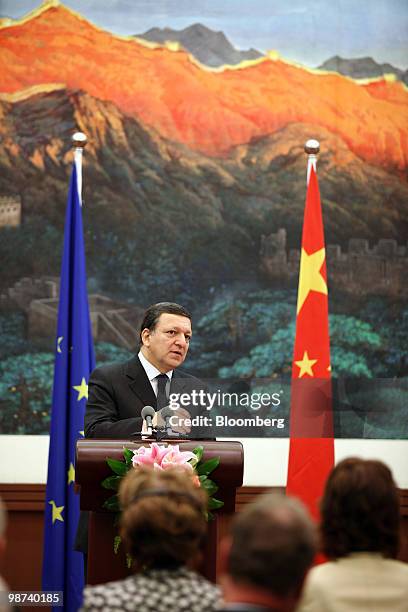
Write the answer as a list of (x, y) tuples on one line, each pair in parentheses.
[(160, 433)]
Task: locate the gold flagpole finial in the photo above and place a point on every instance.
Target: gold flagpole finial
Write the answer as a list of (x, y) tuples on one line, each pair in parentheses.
[(79, 141), (312, 148)]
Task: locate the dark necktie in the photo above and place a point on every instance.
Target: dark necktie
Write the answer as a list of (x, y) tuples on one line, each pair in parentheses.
[(162, 380)]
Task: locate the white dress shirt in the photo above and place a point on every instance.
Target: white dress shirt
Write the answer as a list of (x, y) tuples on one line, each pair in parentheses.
[(152, 372)]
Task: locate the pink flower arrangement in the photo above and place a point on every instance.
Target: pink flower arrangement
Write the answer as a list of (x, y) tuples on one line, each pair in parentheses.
[(163, 457)]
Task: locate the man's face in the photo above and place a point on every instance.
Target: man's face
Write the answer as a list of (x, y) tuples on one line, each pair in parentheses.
[(167, 344)]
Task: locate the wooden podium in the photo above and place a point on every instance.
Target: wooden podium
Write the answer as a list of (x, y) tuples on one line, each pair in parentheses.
[(91, 469)]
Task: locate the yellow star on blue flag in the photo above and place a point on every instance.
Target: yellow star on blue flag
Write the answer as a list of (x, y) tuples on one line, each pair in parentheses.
[(71, 473), (59, 342), (82, 390), (56, 512)]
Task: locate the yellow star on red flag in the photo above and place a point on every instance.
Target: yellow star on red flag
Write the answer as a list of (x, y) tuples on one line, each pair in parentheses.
[(306, 365), (310, 278)]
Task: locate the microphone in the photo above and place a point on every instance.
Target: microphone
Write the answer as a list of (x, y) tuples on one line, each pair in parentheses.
[(147, 414), (166, 413)]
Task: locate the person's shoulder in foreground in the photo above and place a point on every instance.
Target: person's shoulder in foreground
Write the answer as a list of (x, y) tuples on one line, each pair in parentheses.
[(154, 591), (359, 582), (4, 588), (162, 526), (360, 519)]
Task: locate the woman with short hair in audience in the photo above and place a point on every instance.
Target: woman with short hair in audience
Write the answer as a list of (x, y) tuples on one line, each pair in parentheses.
[(360, 519), (162, 526)]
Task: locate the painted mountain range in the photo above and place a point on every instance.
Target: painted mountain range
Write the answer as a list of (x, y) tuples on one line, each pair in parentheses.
[(209, 111), (362, 68), (216, 154), (209, 47), (189, 172), (215, 50), (134, 176)]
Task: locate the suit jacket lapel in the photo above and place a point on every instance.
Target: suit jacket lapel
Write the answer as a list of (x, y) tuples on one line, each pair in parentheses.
[(139, 383), (178, 381)]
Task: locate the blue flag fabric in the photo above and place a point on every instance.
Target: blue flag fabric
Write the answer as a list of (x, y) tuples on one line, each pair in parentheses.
[(74, 360)]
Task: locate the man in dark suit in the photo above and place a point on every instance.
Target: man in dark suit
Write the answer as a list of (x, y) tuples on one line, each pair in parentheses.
[(118, 392)]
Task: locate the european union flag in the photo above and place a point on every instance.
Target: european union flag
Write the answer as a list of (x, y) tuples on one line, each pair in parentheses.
[(74, 360)]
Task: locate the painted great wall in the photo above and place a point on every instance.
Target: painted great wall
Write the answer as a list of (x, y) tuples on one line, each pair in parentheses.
[(360, 270)]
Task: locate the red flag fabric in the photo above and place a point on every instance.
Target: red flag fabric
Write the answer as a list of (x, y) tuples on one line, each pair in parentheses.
[(311, 452)]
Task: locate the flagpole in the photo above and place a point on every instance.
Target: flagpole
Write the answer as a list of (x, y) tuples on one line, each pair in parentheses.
[(312, 148), (311, 449), (79, 142), (63, 569)]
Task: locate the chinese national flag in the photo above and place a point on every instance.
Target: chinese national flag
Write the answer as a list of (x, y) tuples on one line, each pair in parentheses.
[(311, 453)]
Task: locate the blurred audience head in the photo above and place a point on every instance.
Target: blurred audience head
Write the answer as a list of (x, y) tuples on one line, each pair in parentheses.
[(271, 548), (3, 520), (163, 517), (360, 510), (3, 525)]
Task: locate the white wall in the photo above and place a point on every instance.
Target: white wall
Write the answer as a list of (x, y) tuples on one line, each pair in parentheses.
[(23, 459)]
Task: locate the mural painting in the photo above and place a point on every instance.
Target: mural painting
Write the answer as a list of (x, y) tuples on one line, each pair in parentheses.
[(194, 183)]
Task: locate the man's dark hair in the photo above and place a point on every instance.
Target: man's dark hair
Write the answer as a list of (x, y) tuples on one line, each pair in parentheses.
[(360, 510), (273, 545), (152, 314)]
